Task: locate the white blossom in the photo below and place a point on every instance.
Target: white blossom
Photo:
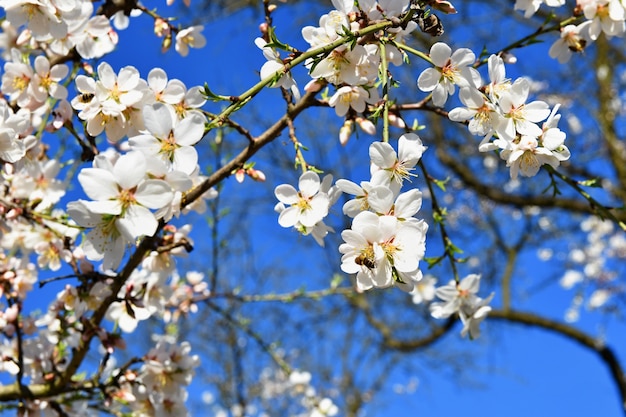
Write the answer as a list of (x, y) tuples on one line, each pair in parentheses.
[(190, 37), (451, 69)]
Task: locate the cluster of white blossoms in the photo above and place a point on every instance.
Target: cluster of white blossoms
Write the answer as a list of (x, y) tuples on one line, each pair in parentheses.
[(386, 242), (59, 27), (155, 386), (274, 384), (297, 385), (115, 104), (159, 386), (601, 16), (131, 191), (595, 267), (499, 112), (134, 189), (353, 69)]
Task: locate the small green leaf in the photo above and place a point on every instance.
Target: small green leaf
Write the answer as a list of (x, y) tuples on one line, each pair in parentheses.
[(275, 43), (431, 261), (593, 182), (336, 281), (440, 216), (210, 95), (441, 183)]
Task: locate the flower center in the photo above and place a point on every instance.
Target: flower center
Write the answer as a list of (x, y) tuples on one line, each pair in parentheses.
[(20, 82), (400, 172), (46, 82), (127, 197), (304, 203), (449, 71), (115, 93), (529, 160), (390, 248), (169, 146), (516, 113)]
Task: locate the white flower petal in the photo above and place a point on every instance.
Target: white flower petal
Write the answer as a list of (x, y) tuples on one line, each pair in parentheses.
[(158, 120), (137, 221), (382, 155), (286, 194), (309, 184), (190, 130), (98, 184), (130, 169), (440, 54), (154, 194), (428, 79)]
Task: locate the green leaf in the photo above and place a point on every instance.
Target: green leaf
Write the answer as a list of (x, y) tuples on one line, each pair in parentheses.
[(336, 281), (210, 95), (440, 216), (441, 183), (275, 43), (431, 261), (593, 182), (452, 248)]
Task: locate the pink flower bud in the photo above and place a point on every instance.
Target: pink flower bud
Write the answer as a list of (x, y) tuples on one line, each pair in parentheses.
[(240, 175), (113, 36), (13, 213), (255, 174), (444, 6), (87, 68)]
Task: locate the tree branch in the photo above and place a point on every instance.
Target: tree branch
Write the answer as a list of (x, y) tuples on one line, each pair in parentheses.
[(597, 346)]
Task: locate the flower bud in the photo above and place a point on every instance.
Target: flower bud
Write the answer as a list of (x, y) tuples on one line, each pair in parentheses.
[(313, 86), (509, 58), (23, 38), (255, 174), (396, 121), (345, 132), (87, 68), (167, 42), (366, 125), (161, 28), (115, 38), (263, 28), (240, 175)]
